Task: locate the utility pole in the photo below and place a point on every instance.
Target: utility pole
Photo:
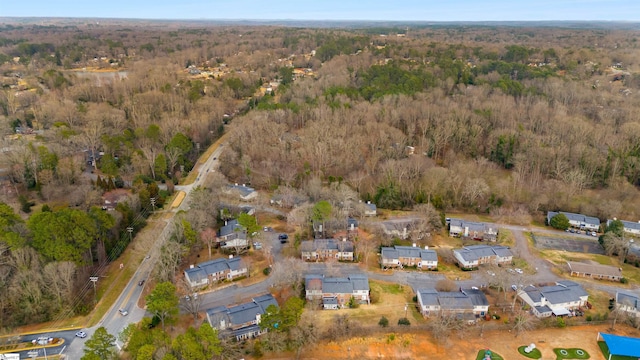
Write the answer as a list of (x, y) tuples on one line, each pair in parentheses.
[(94, 280), (153, 203), (130, 231)]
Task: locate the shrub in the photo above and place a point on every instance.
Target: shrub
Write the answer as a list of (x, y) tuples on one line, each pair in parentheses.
[(624, 280), (384, 322), (266, 271), (404, 321), (560, 322), (588, 318)]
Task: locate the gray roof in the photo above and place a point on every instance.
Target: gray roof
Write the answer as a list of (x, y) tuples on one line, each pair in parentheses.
[(576, 217), (242, 189), (465, 299), (337, 286), (627, 224), (214, 266), (230, 227), (543, 309), (628, 299), (327, 244), (243, 313), (330, 285), (472, 225), (474, 252), (217, 266), (477, 297), (371, 206), (565, 291), (196, 274), (330, 300), (429, 296), (397, 252)]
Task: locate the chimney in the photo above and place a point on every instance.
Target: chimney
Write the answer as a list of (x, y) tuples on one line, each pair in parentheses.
[(426, 247), (225, 223), (230, 256), (191, 266), (243, 185), (414, 244), (344, 239), (368, 202)]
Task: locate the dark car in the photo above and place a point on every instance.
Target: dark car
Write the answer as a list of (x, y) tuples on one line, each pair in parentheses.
[(283, 238), (141, 282)]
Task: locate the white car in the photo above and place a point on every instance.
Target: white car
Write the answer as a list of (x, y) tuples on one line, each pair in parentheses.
[(81, 334), (514, 288), (519, 271), (491, 273), (123, 312)]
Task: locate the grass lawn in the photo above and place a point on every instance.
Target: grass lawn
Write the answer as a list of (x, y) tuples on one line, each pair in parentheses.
[(605, 352), (534, 354), (573, 353), (494, 356)]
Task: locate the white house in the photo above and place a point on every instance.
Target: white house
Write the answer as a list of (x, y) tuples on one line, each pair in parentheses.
[(630, 227), (628, 302), (473, 230), (213, 271), (557, 300), (466, 301), (470, 257), (399, 256), (577, 220)]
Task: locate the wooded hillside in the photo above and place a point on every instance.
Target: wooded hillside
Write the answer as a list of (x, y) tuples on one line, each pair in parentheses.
[(510, 121)]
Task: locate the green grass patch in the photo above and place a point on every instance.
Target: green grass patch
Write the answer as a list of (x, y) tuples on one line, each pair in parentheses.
[(389, 288), (605, 352), (534, 354), (505, 238), (603, 259), (494, 356), (572, 353), (631, 272)]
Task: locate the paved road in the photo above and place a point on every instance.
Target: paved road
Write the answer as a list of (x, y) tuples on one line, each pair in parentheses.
[(113, 320)]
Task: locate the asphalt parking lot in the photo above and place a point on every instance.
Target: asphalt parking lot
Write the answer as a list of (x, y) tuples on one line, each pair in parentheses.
[(580, 245)]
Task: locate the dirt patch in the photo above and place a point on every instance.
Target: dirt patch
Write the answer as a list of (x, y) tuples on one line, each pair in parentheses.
[(421, 345)]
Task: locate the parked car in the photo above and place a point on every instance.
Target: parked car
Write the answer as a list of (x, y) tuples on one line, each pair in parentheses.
[(257, 245), (283, 238), (519, 271), (81, 334), (123, 312), (595, 234), (514, 287)]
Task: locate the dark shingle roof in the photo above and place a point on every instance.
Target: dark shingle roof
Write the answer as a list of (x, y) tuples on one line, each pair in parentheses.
[(408, 252), (576, 217), (474, 252)]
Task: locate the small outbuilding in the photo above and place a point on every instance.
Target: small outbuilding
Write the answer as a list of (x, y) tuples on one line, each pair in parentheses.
[(621, 345)]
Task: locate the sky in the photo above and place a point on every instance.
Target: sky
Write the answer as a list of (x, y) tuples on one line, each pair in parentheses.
[(407, 10)]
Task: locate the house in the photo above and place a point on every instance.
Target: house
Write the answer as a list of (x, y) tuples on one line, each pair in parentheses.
[(473, 230), (556, 300), (470, 304), (370, 209), (240, 321), (336, 293), (244, 192), (399, 256), (232, 235), (213, 271), (399, 227), (577, 220), (470, 257), (595, 271), (322, 249), (630, 227), (628, 302)]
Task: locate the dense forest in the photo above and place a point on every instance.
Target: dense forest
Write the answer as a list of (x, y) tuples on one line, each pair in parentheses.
[(510, 121)]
